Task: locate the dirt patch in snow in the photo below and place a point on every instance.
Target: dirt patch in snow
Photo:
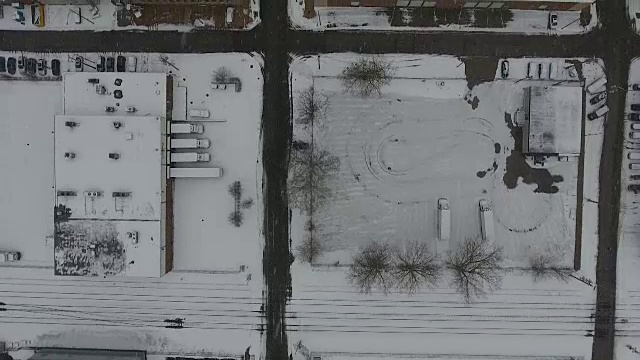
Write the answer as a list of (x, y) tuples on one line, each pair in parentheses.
[(479, 70), (517, 167)]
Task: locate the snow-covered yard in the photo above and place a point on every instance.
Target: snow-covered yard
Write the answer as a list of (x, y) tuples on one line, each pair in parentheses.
[(401, 19), (428, 136)]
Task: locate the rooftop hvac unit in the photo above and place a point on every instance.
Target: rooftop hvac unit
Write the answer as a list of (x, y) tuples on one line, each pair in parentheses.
[(121, 194), (117, 125), (316, 358), (133, 235), (70, 155), (93, 194), (114, 156), (70, 124), (66, 193)]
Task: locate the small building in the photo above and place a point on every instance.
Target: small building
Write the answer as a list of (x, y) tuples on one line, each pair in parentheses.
[(558, 5), (113, 205), (86, 354), (553, 125)]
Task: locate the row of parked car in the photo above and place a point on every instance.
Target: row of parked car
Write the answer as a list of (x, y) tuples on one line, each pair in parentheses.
[(29, 66), (107, 63), (634, 135)]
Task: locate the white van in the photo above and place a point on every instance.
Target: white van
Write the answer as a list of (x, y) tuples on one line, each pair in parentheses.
[(634, 135), (598, 113), (199, 113), (132, 63), (486, 220), (596, 85), (633, 155), (553, 70), (187, 129), (229, 17), (532, 70), (544, 70), (634, 166), (444, 219)]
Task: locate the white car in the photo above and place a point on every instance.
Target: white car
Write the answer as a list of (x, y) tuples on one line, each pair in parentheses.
[(7, 256), (553, 20)]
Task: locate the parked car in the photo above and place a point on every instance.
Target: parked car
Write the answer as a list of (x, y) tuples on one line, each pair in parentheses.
[(100, 67), (543, 70), (55, 67), (634, 166), (111, 64), (634, 187), (635, 107), (31, 66), (504, 69), (7, 256), (42, 67), (121, 63), (635, 87), (634, 135), (532, 70), (634, 116), (553, 20), (11, 65), (79, 63), (599, 97), (3, 64), (132, 61), (598, 113), (635, 126), (634, 177), (21, 62), (633, 155)]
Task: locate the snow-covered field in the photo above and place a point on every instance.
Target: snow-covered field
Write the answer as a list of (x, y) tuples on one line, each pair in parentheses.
[(428, 136), (63, 18), (524, 21), (221, 311), (628, 287)]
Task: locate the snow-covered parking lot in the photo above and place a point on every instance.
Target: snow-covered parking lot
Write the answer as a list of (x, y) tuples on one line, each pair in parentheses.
[(437, 131)]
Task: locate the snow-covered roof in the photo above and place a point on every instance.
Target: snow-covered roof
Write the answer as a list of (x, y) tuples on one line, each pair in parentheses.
[(555, 119), (147, 92)]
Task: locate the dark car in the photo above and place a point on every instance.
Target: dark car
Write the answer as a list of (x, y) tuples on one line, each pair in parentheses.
[(599, 97), (121, 63), (3, 64), (21, 61), (504, 69), (635, 87), (635, 177), (634, 116), (635, 107), (634, 187), (111, 64), (11, 65), (79, 63), (101, 64), (31, 66), (55, 67)]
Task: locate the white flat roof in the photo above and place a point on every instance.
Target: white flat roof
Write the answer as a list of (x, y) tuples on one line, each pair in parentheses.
[(138, 170), (145, 91), (555, 119)]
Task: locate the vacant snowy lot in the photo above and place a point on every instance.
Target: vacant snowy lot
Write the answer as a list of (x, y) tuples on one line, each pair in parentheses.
[(428, 136), (420, 141)]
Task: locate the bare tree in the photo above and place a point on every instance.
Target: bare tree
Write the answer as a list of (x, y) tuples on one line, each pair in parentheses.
[(546, 266), (309, 181), (372, 268), (222, 75), (367, 75), (311, 247), (476, 268), (236, 218), (415, 266), (311, 106)]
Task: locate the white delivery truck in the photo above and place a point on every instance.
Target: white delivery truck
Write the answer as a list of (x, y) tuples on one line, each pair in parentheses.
[(597, 86), (187, 128), (444, 219), (195, 172), (190, 143), (486, 220), (189, 157)]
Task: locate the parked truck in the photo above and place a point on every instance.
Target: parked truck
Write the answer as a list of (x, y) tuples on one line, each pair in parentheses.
[(486, 220), (187, 128), (190, 143), (189, 157), (195, 172), (444, 219)]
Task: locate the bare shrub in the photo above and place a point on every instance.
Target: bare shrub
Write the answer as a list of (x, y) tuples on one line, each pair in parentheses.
[(476, 268), (222, 75), (546, 266), (236, 218), (246, 203), (311, 106), (415, 266), (367, 75), (372, 267), (235, 189), (309, 180)]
